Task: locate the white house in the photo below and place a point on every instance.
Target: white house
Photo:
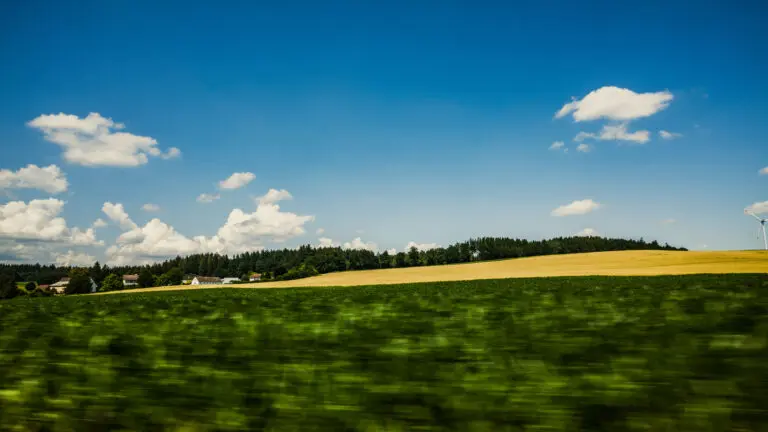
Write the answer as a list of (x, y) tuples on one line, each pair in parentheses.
[(61, 286), (229, 280), (205, 280), (255, 277), (130, 280), (187, 279)]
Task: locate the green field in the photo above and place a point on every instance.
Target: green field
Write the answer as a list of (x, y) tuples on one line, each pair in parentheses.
[(666, 353)]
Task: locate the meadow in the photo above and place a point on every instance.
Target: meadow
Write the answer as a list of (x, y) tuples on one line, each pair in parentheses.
[(682, 353)]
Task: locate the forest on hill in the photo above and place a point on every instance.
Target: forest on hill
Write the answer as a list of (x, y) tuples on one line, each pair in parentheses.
[(308, 260)]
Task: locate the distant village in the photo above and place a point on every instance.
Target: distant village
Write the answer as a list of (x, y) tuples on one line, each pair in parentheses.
[(132, 281)]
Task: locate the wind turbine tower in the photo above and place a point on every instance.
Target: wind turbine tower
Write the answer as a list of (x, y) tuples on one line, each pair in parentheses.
[(762, 221)]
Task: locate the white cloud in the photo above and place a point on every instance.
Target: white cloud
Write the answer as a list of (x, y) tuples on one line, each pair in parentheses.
[(763, 171), (13, 251), (75, 259), (578, 207), (358, 243), (149, 207), (241, 232), (320, 231), (99, 223), (615, 103), (392, 251), (616, 132), (669, 135), (668, 221), (237, 180), (172, 153), (587, 232), (757, 208), (207, 198), (584, 148), (421, 246), (274, 195), (39, 220), (49, 179), (267, 222), (117, 213), (326, 242), (557, 145), (96, 140)]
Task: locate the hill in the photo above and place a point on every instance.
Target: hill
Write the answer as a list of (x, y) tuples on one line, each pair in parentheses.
[(620, 263)]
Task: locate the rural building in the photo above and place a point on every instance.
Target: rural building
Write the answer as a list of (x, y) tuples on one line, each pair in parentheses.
[(255, 277), (61, 286), (130, 280), (187, 279), (229, 280), (205, 280)]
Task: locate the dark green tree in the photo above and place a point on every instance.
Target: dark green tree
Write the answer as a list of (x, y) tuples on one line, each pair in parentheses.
[(174, 276), (413, 257), (96, 272), (8, 289), (79, 282), (145, 278), (112, 282)]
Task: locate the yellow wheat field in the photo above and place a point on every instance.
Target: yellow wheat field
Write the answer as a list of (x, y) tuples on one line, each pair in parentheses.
[(623, 263)]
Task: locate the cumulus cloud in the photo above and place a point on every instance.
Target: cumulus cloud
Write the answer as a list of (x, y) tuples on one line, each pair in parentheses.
[(616, 132), (557, 145), (99, 223), (274, 195), (421, 246), (392, 251), (615, 103), (39, 220), (241, 232), (584, 148), (669, 135), (358, 243), (75, 259), (149, 207), (587, 232), (763, 171), (117, 214), (237, 180), (578, 207), (326, 242), (49, 179), (97, 141), (757, 208), (207, 198), (172, 153)]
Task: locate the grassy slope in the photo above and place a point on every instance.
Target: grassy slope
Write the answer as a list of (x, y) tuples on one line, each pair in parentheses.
[(623, 263)]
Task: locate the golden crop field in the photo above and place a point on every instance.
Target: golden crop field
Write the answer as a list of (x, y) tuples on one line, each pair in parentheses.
[(622, 263)]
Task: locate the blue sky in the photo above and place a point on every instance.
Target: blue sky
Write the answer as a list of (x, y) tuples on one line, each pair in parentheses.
[(387, 121)]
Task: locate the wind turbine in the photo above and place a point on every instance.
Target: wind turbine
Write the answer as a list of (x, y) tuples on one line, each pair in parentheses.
[(762, 225)]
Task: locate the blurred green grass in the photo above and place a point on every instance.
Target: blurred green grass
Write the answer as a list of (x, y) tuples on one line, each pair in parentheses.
[(665, 353)]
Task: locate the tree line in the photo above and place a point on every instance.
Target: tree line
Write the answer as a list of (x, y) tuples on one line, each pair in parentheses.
[(308, 260)]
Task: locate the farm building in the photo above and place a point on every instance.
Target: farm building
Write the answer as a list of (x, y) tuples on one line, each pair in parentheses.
[(229, 280), (130, 280), (187, 279), (255, 277), (205, 280), (61, 286)]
